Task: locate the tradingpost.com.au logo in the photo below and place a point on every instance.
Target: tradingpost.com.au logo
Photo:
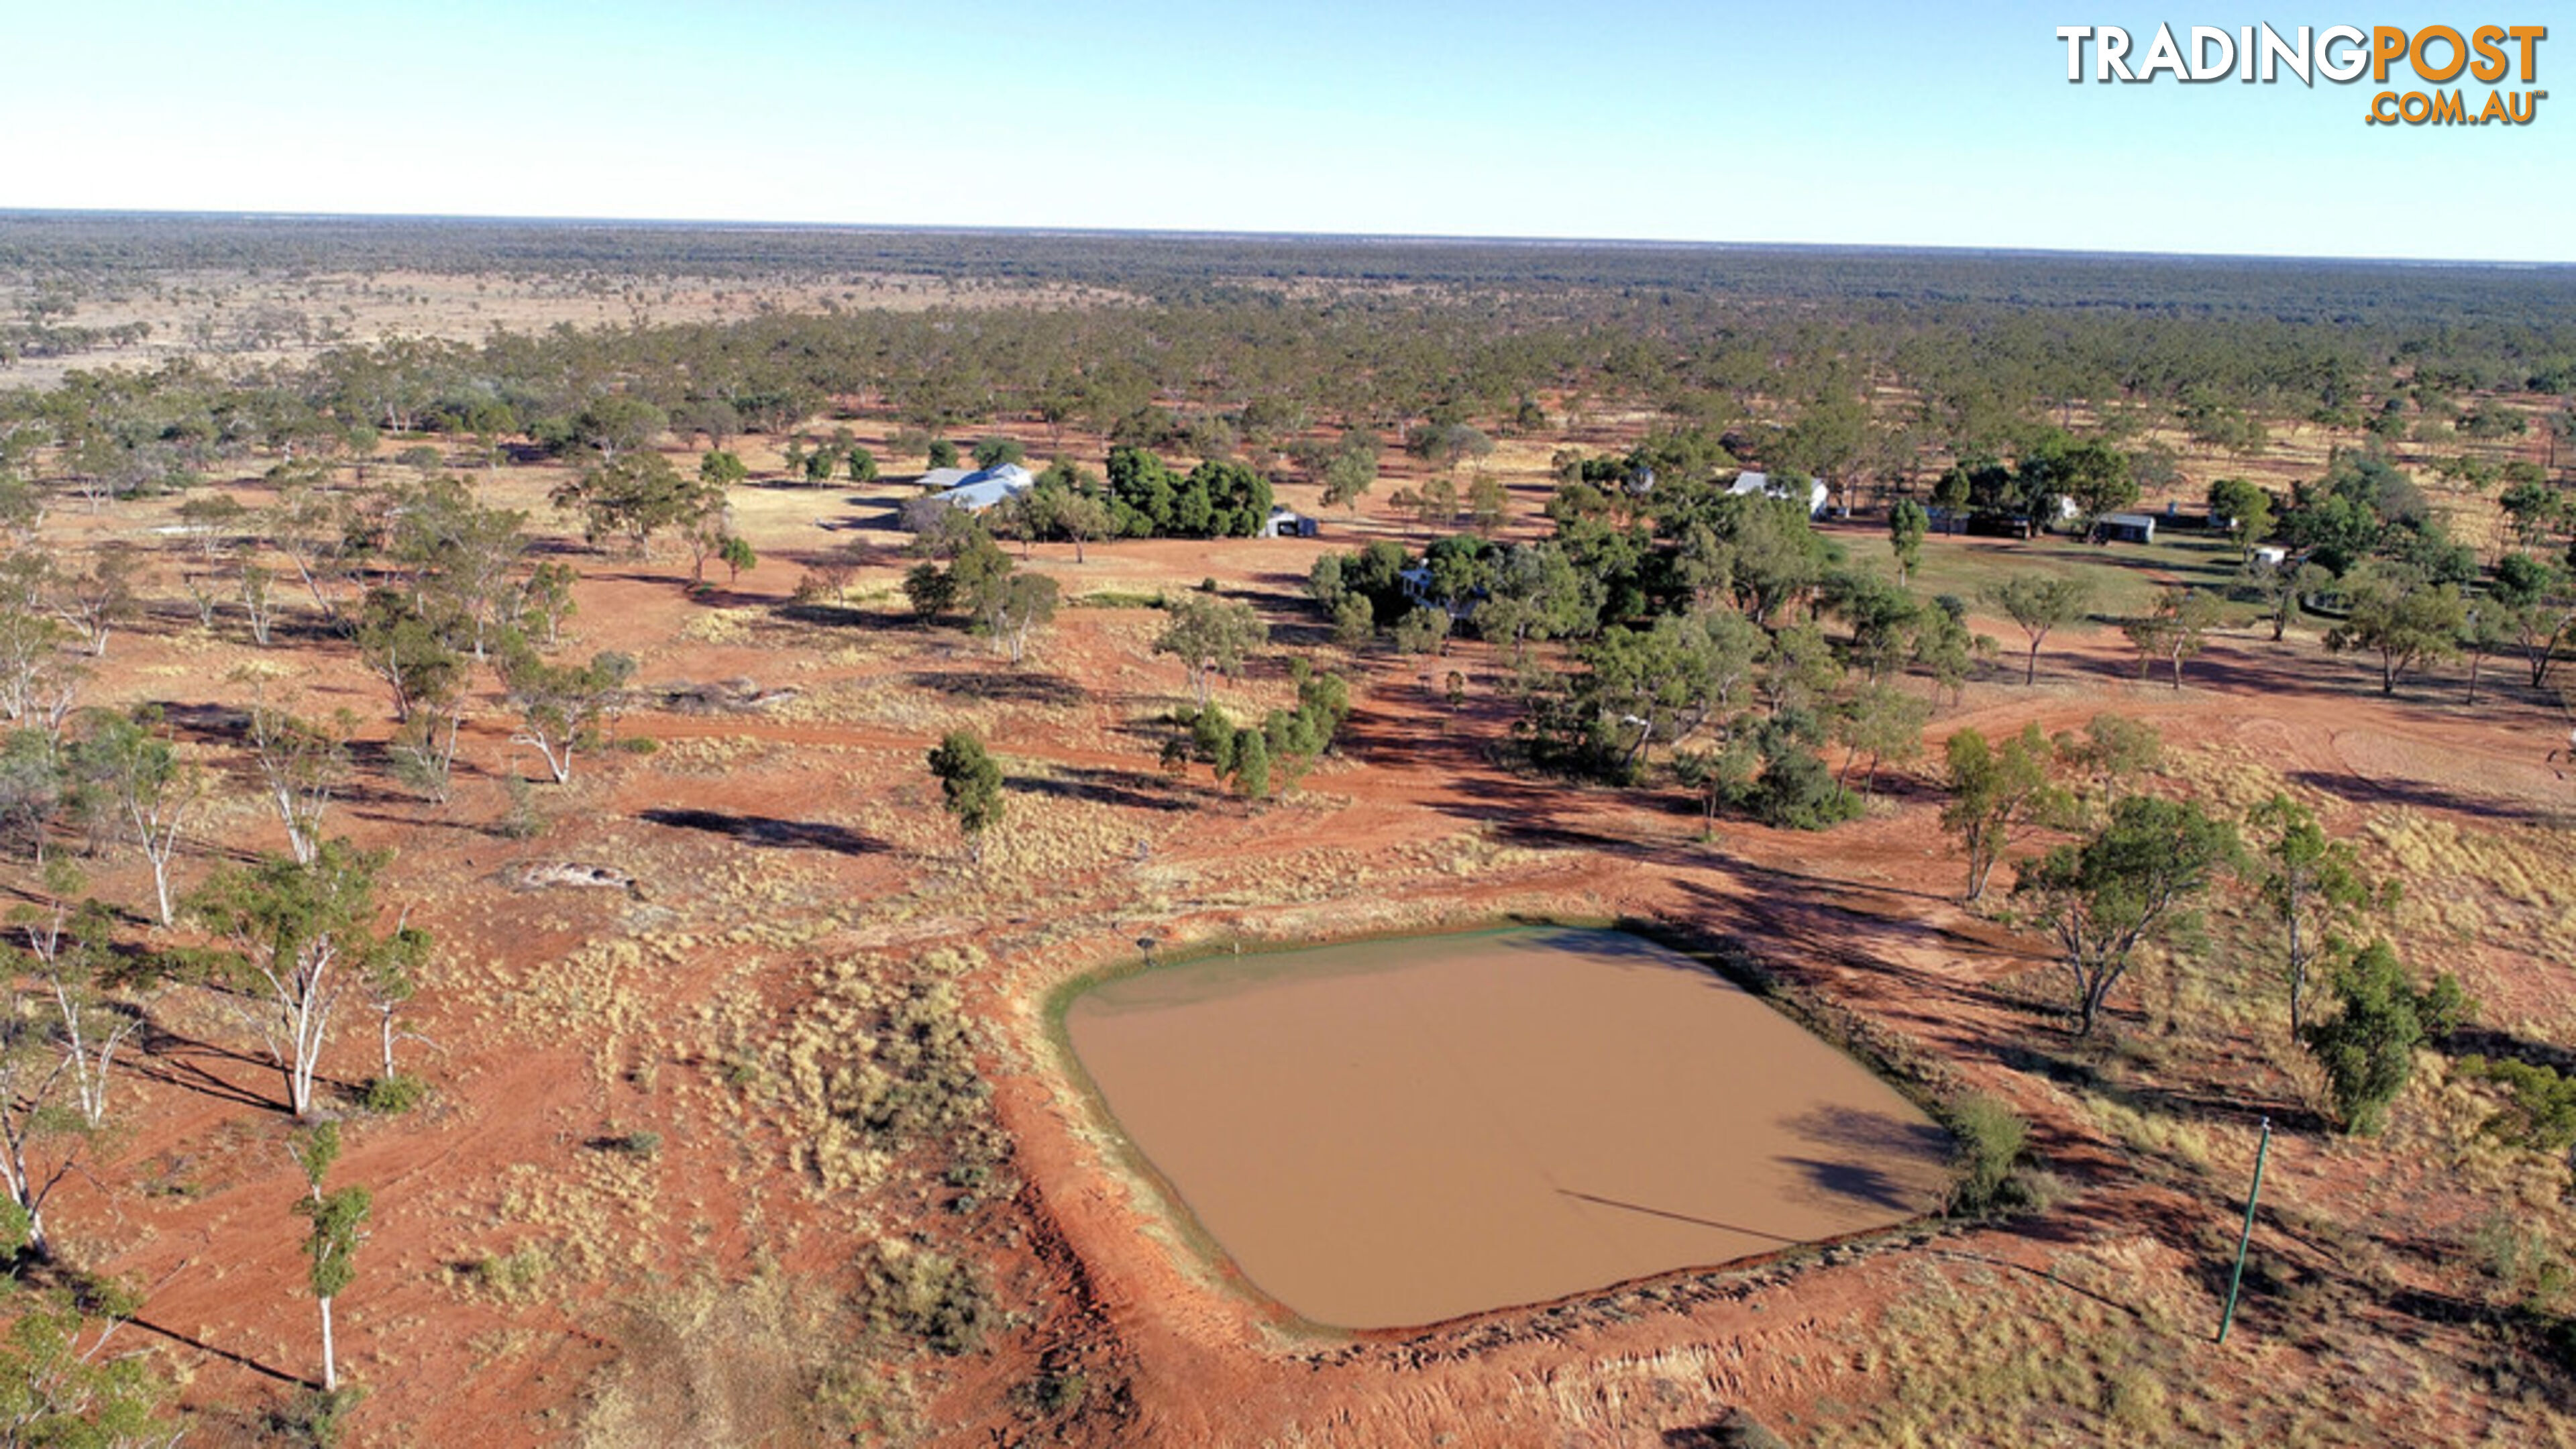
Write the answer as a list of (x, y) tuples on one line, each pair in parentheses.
[(2434, 57)]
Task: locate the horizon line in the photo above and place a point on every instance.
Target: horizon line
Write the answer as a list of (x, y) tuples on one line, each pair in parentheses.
[(1221, 234)]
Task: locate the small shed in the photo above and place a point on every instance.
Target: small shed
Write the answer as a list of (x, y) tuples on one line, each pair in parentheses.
[(2127, 528), (1289, 523), (1749, 483), (2270, 556)]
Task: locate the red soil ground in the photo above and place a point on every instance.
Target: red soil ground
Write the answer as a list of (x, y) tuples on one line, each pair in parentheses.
[(764, 845)]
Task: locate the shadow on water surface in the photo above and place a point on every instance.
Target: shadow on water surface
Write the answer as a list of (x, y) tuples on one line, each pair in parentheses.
[(1855, 1130), (1855, 1182), (1670, 1216)]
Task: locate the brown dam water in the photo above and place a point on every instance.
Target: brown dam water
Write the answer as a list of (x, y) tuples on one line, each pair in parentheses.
[(1390, 1133)]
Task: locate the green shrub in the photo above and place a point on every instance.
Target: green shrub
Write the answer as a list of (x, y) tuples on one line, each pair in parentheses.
[(511, 1277), (2521, 1259), (520, 818), (942, 1303), (1421, 631), (390, 1096), (1991, 1140), (2368, 1046), (922, 1083), (1058, 1393), (1354, 621), (2540, 1110), (631, 1144), (1796, 792), (314, 1417)]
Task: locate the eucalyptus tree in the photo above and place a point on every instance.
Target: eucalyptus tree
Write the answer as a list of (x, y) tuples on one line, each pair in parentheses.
[(2312, 885), (1209, 634), (459, 552), (1997, 794), (95, 600), (336, 1223), (2126, 884), (303, 766), (562, 706), (2176, 631), (2395, 612), (70, 960), (134, 777), (1907, 523), (2041, 604), (59, 1039), (294, 940)]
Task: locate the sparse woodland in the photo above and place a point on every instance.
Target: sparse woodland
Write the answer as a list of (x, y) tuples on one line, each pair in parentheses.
[(579, 758)]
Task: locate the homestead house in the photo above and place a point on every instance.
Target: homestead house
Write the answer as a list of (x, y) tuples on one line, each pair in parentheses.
[(980, 489)]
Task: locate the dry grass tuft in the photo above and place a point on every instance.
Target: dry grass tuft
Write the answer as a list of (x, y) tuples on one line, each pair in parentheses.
[(754, 1363)]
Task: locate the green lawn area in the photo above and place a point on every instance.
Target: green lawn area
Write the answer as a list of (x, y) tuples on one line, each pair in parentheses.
[(2125, 577)]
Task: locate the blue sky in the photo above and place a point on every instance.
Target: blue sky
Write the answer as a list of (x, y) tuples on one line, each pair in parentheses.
[(1825, 121)]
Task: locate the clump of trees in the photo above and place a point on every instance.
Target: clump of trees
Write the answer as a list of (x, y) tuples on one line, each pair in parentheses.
[(1711, 638), (641, 495), (1217, 499), (964, 569), (1258, 761)]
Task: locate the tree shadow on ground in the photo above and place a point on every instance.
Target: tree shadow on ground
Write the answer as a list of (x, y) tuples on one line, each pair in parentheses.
[(2484, 1041), (822, 613), (227, 1355), (1130, 789), (763, 830), (2044, 1276), (2424, 795), (1735, 1430), (1014, 687), (188, 1064), (2186, 1105)]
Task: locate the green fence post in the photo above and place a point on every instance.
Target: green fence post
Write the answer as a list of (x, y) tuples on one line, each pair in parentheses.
[(2236, 1279)]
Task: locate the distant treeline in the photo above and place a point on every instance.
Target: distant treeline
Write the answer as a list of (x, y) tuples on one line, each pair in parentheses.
[(1892, 361), (1169, 265)]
